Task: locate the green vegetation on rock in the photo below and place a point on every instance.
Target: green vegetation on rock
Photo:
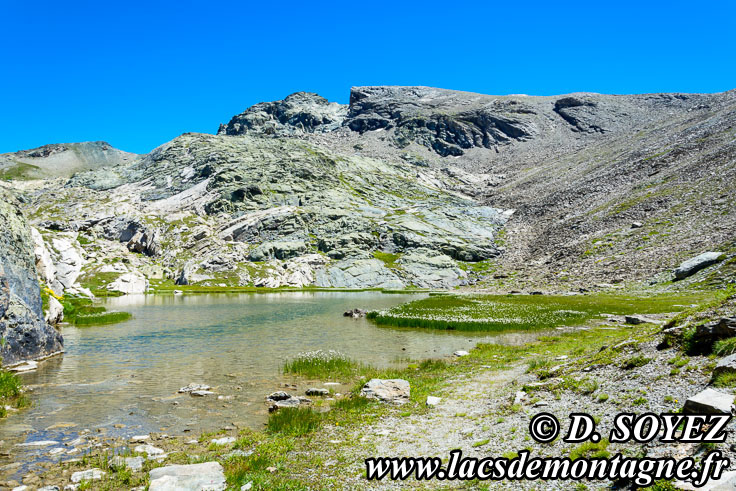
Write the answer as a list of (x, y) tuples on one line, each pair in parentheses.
[(82, 312)]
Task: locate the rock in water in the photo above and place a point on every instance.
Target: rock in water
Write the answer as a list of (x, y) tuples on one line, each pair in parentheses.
[(692, 266), (207, 476), (22, 323), (394, 391), (709, 401)]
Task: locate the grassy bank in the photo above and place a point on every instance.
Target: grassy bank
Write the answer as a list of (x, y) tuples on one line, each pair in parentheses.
[(11, 393), (523, 312), (169, 287)]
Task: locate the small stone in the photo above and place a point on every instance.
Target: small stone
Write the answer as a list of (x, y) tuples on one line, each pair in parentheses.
[(223, 441), (460, 353), (278, 396), (132, 463), (140, 438), (194, 387), (271, 469), (433, 401), (246, 486), (636, 225), (148, 450), (201, 393), (39, 443), (519, 398), (88, 475), (317, 392), (209, 476)]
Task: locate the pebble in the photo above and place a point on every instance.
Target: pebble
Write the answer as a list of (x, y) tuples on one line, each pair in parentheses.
[(223, 441)]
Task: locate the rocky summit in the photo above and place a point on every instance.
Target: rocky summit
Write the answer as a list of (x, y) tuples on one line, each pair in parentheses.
[(403, 187)]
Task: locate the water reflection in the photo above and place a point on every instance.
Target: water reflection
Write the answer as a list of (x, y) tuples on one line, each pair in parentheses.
[(129, 373)]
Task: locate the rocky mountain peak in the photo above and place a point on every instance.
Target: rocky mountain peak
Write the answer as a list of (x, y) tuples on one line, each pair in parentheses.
[(301, 112)]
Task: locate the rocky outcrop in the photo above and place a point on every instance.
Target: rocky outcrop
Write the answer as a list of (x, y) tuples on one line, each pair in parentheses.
[(302, 112), (24, 332)]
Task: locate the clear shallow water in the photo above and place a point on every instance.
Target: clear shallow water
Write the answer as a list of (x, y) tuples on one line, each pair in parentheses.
[(129, 373)]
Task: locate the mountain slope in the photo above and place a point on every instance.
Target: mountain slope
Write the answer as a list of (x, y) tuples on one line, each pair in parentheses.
[(408, 186), (60, 160)]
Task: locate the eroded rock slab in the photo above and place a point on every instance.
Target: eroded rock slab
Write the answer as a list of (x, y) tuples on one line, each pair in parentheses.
[(208, 476)]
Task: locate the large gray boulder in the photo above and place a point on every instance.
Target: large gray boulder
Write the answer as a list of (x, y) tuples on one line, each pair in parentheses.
[(129, 283), (392, 391), (208, 476), (23, 328), (709, 401), (692, 266)]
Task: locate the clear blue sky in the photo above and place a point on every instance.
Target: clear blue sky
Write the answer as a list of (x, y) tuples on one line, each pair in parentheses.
[(137, 74)]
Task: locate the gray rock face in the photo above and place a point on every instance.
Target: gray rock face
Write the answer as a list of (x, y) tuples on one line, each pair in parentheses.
[(393, 391), (137, 236), (22, 323), (709, 401), (302, 112), (692, 266), (208, 476), (358, 273)]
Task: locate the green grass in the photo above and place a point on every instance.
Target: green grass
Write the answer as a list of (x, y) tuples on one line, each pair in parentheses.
[(591, 450), (635, 362), (294, 421), (388, 259), (82, 312), (323, 365), (725, 347), (521, 312), (725, 380), (20, 171), (11, 392)]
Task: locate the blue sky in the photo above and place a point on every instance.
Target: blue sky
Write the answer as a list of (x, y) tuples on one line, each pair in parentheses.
[(137, 74)]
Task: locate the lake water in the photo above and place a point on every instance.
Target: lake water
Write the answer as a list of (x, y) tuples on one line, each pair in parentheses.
[(123, 379)]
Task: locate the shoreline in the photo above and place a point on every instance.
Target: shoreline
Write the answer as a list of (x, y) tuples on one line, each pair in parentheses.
[(491, 376)]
